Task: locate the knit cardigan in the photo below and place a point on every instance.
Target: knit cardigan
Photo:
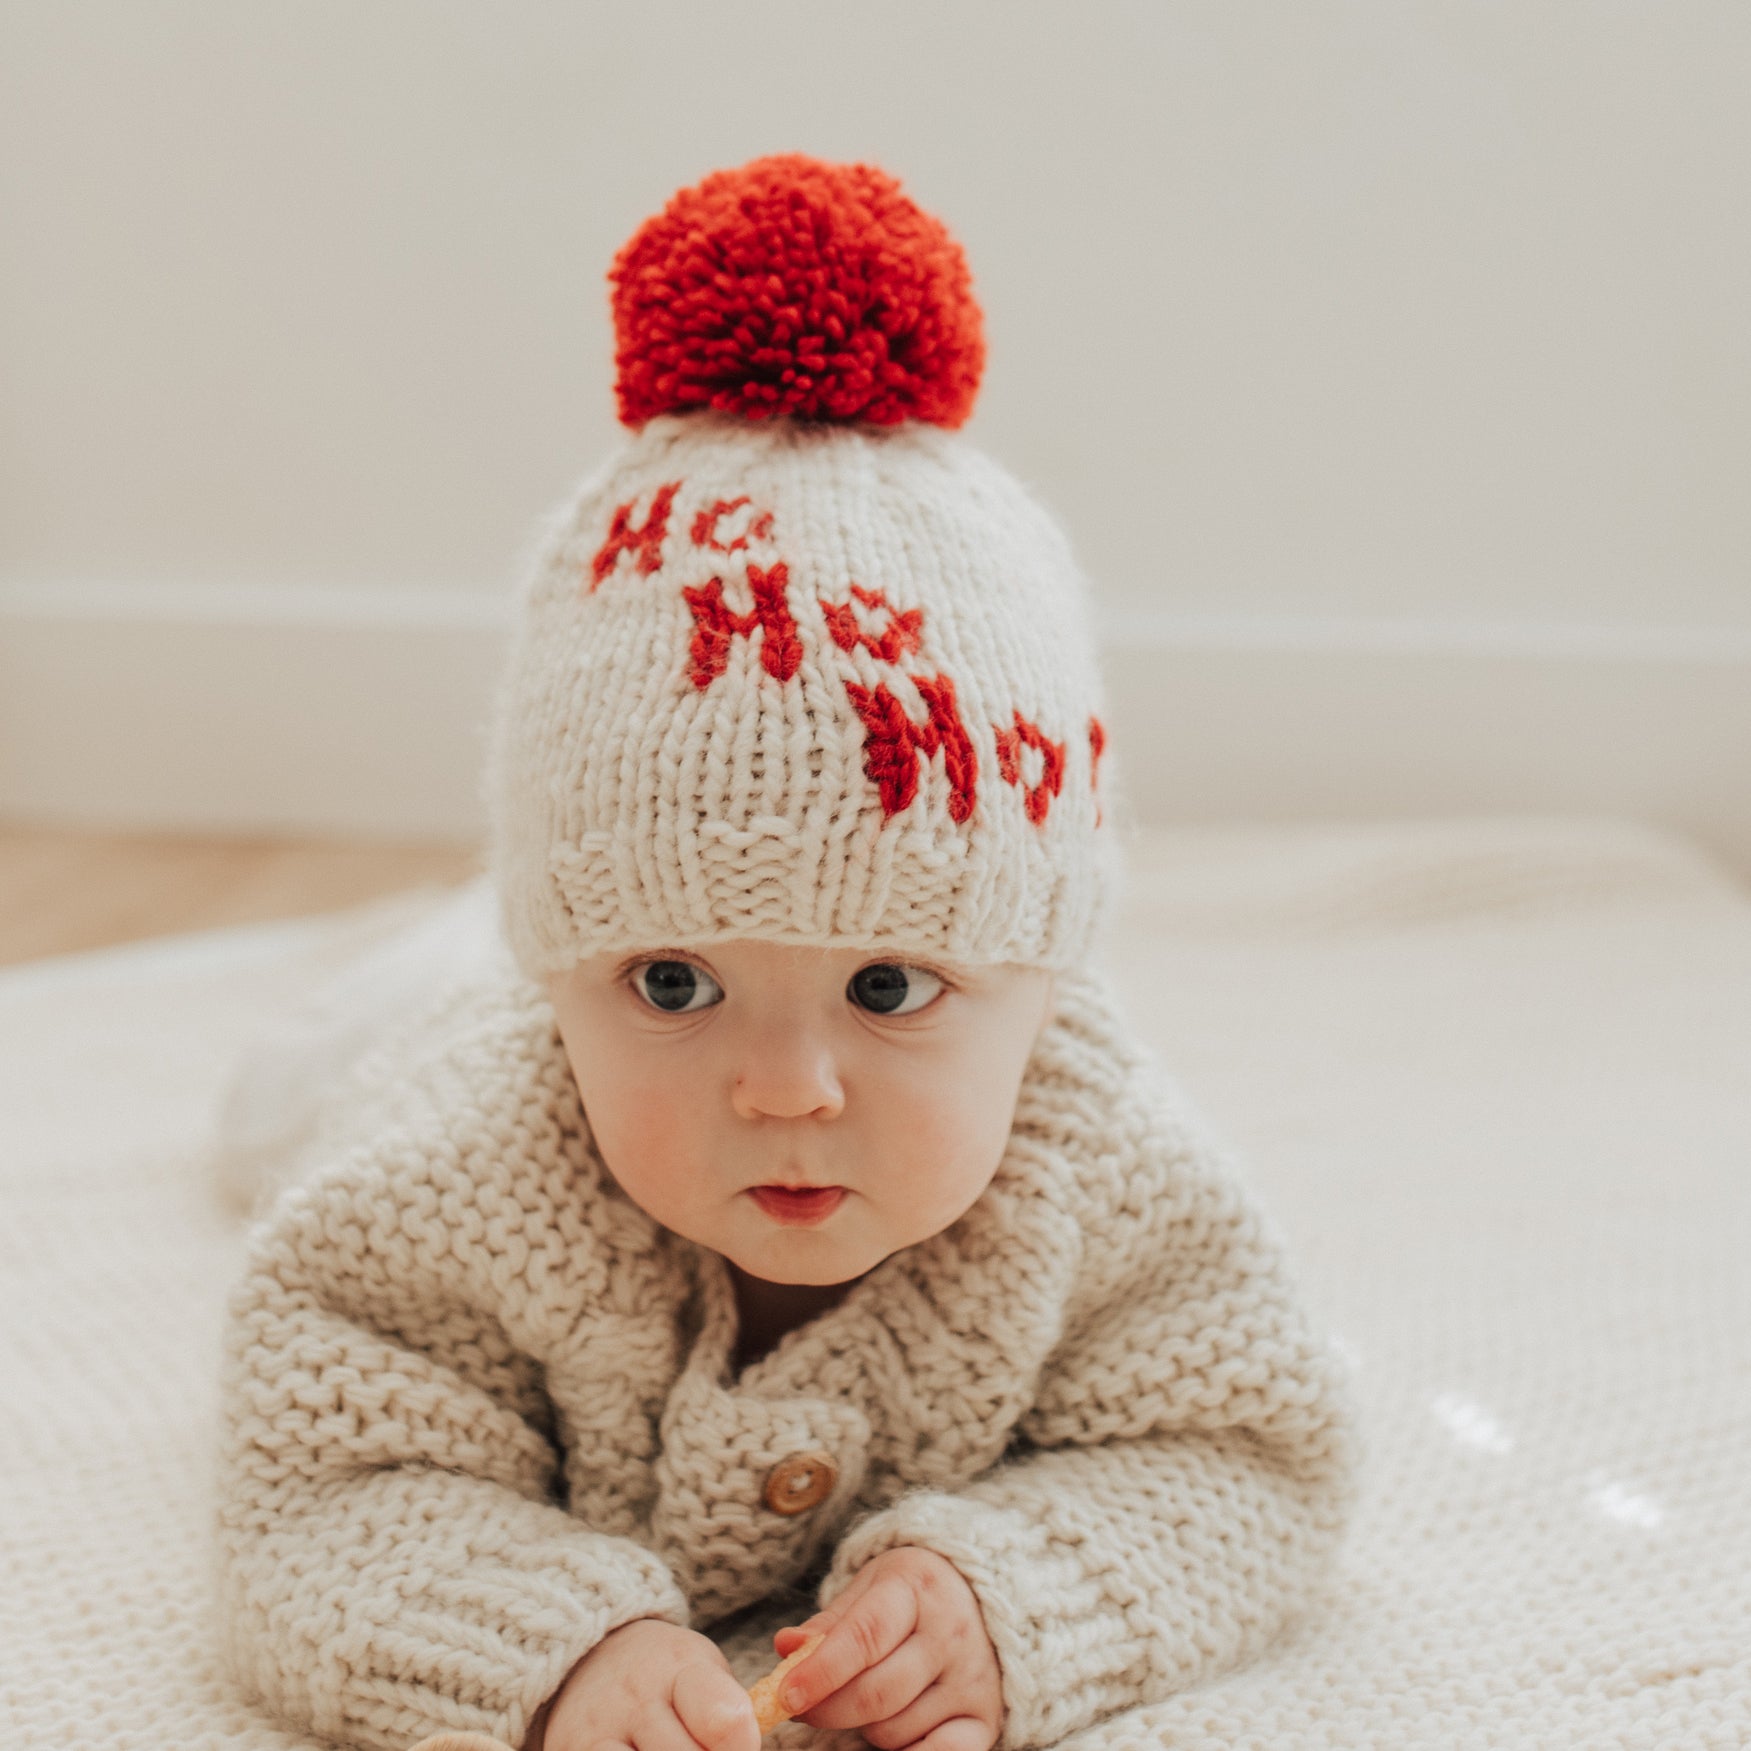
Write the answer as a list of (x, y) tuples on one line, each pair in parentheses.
[(478, 1409)]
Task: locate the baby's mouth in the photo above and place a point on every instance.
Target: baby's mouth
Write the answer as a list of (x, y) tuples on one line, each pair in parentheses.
[(798, 1206)]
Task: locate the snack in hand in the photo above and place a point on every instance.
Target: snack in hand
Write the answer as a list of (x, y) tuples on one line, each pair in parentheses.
[(763, 1693), (768, 1710)]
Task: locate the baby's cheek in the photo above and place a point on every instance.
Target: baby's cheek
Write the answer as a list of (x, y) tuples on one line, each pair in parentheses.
[(647, 1138), (939, 1158)]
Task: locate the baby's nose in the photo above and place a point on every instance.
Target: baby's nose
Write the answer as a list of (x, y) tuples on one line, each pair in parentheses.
[(788, 1076)]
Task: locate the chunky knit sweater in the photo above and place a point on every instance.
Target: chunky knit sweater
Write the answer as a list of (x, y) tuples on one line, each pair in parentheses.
[(479, 1410)]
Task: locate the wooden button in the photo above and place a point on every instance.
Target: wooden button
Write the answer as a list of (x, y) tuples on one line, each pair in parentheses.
[(799, 1483)]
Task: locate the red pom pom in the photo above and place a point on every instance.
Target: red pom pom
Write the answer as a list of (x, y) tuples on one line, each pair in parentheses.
[(791, 286)]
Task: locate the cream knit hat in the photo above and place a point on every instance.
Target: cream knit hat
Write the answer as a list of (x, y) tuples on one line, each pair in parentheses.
[(797, 662)]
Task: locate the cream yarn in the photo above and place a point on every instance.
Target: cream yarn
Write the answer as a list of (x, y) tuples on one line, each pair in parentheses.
[(800, 662), (808, 682), (479, 1409)]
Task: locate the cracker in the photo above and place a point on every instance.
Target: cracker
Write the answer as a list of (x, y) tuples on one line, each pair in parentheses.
[(763, 1693)]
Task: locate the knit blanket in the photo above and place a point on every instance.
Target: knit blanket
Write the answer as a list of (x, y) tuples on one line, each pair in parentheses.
[(1492, 1076)]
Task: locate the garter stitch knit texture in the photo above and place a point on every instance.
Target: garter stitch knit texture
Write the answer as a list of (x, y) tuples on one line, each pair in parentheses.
[(479, 1410)]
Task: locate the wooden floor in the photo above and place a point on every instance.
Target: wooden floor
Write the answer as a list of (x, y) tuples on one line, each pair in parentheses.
[(64, 889)]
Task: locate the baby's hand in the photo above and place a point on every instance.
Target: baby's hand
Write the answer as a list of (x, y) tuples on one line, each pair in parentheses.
[(653, 1687), (906, 1660)]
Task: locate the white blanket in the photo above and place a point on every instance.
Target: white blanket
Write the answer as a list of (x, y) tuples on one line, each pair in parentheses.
[(1493, 1076)]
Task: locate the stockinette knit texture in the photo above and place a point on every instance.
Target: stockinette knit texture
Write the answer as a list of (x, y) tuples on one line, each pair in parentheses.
[(479, 1410), (798, 661), (858, 706)]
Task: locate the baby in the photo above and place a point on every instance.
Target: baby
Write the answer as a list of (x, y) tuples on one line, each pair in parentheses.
[(788, 1239)]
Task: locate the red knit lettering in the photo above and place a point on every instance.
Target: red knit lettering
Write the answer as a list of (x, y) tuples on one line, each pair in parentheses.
[(1009, 746), (646, 541), (904, 631), (1097, 741), (706, 522), (893, 744), (715, 623)]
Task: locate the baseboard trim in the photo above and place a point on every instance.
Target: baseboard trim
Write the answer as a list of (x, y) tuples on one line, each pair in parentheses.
[(1298, 719), (363, 714), (359, 714)]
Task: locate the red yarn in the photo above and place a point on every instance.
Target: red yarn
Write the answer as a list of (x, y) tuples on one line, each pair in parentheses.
[(793, 286), (1097, 741), (893, 743), (706, 522), (715, 623), (1009, 746), (904, 631), (646, 542)]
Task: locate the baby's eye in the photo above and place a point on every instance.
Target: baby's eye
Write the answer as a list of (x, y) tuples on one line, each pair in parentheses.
[(889, 988), (674, 986)]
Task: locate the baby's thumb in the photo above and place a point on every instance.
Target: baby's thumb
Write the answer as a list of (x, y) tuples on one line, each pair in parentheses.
[(715, 1709)]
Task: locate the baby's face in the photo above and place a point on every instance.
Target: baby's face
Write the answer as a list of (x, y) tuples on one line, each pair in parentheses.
[(803, 1111)]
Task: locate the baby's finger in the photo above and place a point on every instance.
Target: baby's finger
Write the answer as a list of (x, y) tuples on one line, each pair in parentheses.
[(864, 1636), (928, 1710), (659, 1730), (793, 1635), (888, 1687), (714, 1708), (963, 1733)]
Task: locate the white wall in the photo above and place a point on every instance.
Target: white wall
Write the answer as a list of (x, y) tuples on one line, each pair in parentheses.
[(1318, 315)]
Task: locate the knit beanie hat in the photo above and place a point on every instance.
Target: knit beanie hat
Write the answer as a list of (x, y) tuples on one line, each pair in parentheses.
[(798, 662)]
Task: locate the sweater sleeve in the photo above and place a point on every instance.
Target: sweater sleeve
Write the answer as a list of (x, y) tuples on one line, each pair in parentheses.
[(1177, 1488), (391, 1556)]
